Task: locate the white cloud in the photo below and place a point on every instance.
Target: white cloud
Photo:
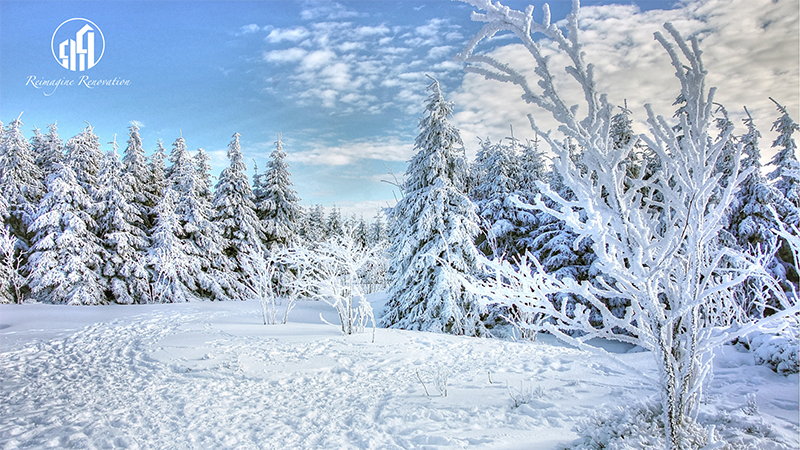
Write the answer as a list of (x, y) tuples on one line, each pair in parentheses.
[(293, 54), (350, 152), (290, 34), (326, 9), (317, 59), (371, 31), (344, 65), (247, 29), (440, 52)]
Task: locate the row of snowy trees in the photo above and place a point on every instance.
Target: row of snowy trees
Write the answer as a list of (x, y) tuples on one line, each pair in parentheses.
[(86, 227), (449, 205)]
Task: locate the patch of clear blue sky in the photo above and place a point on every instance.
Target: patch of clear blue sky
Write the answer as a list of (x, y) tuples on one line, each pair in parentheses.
[(192, 71)]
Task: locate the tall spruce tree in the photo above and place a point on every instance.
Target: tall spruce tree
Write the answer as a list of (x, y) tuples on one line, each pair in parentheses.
[(174, 274), (277, 204), (233, 204), (435, 224), (203, 168), (786, 175), (65, 263), (48, 149), (83, 154), (138, 173), (20, 181), (785, 178), (120, 228), (200, 236)]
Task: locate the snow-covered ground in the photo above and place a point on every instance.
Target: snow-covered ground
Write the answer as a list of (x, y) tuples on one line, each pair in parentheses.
[(212, 376)]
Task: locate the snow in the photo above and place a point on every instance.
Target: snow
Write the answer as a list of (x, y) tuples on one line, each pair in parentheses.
[(211, 375)]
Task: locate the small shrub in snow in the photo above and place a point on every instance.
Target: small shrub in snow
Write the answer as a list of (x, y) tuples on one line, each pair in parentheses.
[(778, 351), (438, 377), (524, 395), (332, 273), (631, 428)]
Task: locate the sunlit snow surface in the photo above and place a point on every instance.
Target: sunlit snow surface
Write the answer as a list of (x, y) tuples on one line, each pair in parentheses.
[(211, 376)]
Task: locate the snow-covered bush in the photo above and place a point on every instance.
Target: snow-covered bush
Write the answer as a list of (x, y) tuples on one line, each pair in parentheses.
[(638, 427), (655, 237), (778, 351), (525, 394), (331, 273), (259, 267)]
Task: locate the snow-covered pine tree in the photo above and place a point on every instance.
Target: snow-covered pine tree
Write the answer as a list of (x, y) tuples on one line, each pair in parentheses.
[(502, 176), (334, 225), (752, 223), (725, 163), (534, 166), (83, 154), (234, 208), (48, 149), (377, 231), (120, 228), (158, 173), (361, 233), (435, 226), (144, 193), (314, 226), (277, 204), (201, 237), (20, 181), (174, 274), (786, 176), (203, 167), (66, 257)]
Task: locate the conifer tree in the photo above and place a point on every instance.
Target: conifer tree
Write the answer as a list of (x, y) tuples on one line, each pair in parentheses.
[(315, 227), (48, 150), (83, 154), (158, 170), (502, 177), (786, 175), (277, 204), (377, 232), (66, 257), (174, 274), (121, 231), (361, 233), (435, 225), (20, 181), (334, 225), (199, 235), (144, 193), (203, 168), (785, 178), (233, 204)]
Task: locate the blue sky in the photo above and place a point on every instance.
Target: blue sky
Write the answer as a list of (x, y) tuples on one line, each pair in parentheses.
[(344, 82)]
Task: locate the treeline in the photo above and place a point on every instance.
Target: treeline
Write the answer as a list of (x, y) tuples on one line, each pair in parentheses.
[(84, 227), (454, 212)]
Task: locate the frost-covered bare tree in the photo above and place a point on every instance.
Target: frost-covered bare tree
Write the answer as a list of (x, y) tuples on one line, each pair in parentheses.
[(656, 236), (332, 272)]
